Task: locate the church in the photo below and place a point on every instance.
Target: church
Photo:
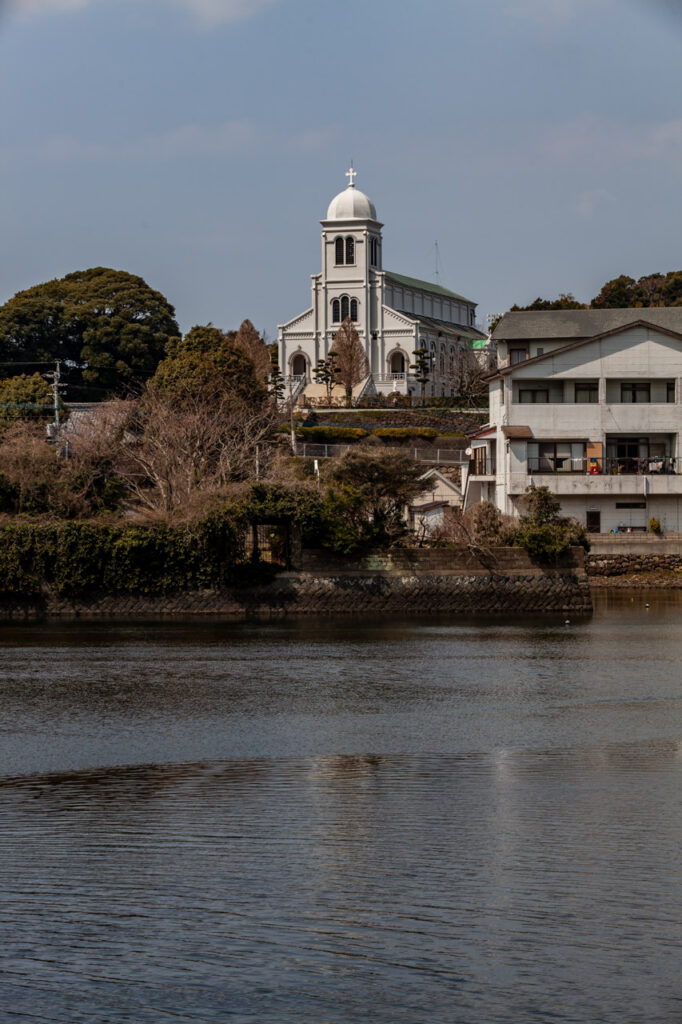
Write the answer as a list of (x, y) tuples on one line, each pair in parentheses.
[(394, 315)]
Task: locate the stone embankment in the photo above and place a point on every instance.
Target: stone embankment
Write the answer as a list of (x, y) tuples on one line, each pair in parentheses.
[(634, 560), (501, 581)]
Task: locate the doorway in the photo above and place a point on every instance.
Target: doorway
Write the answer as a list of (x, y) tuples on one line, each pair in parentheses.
[(593, 522)]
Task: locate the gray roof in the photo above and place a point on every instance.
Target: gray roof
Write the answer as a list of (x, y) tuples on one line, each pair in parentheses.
[(444, 326), (574, 324)]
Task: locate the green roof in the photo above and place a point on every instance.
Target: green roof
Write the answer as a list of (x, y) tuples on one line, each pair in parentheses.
[(479, 343), (427, 286)]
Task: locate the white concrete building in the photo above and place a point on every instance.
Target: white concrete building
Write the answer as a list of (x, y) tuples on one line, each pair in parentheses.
[(589, 404), (393, 314)]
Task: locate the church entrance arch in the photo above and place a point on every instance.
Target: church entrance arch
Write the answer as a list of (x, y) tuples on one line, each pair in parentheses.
[(299, 366), (396, 362)]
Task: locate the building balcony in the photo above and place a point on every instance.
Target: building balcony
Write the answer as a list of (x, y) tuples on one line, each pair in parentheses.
[(606, 484)]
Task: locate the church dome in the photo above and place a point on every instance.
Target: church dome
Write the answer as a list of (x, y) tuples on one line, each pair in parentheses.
[(351, 204)]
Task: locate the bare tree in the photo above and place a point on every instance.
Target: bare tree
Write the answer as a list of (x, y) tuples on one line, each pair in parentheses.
[(191, 446), (466, 375), (249, 341), (351, 362)]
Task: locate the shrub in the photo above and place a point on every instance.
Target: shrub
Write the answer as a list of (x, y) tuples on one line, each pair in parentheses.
[(543, 533), (654, 526), (487, 523), (331, 435), (406, 433)]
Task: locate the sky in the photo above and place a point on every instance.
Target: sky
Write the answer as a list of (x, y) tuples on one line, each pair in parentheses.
[(197, 143)]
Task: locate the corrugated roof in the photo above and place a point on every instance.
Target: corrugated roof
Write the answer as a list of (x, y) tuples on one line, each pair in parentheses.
[(574, 324), (427, 286)]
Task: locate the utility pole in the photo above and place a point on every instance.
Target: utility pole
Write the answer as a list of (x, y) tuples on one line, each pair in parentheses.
[(55, 377), (291, 418)]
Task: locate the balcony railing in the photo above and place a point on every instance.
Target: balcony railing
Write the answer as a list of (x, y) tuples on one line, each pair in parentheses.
[(609, 466)]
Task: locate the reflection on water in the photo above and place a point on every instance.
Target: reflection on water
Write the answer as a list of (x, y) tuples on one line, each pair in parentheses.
[(342, 822)]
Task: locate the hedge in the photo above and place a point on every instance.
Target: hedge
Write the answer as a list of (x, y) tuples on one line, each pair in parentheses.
[(74, 558), (406, 433), (331, 435)]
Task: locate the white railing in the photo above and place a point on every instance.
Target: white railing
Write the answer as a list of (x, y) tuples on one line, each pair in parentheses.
[(439, 456)]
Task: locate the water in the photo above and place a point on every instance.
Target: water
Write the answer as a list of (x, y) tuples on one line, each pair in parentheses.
[(343, 821)]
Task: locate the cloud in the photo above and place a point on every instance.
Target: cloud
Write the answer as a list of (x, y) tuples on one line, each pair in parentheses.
[(38, 7), (589, 201), (232, 139), (205, 12), (593, 140), (552, 13)]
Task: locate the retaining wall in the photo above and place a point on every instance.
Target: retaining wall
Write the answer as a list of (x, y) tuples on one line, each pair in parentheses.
[(504, 581)]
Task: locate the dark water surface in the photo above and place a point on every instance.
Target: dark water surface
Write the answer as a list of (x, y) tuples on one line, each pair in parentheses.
[(341, 821)]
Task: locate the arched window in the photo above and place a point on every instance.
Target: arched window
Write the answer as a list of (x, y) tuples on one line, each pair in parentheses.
[(344, 307), (350, 250), (442, 359), (354, 310), (298, 366), (336, 311), (339, 251)]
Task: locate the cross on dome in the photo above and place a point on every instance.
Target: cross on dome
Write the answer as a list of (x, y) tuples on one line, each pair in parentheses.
[(351, 174)]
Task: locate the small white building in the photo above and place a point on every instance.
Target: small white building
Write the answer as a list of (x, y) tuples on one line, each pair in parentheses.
[(428, 512), (394, 315), (589, 404)]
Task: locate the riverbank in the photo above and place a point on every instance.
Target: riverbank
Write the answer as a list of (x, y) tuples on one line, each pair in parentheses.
[(501, 581)]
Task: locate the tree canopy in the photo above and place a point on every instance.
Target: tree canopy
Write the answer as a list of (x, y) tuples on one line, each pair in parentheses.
[(110, 328), (25, 398), (208, 359), (620, 293), (367, 499), (253, 345)]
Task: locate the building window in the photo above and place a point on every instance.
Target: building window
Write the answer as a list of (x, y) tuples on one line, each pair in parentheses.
[(344, 307), (338, 245), (635, 393), (336, 311), (350, 250), (556, 456), (354, 310), (517, 355), (670, 391), (374, 252), (531, 395), (586, 393)]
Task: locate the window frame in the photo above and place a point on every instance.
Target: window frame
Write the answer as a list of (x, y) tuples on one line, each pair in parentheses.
[(587, 388), (534, 392), (635, 388)]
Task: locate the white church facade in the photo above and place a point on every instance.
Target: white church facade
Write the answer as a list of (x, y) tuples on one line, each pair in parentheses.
[(394, 315)]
